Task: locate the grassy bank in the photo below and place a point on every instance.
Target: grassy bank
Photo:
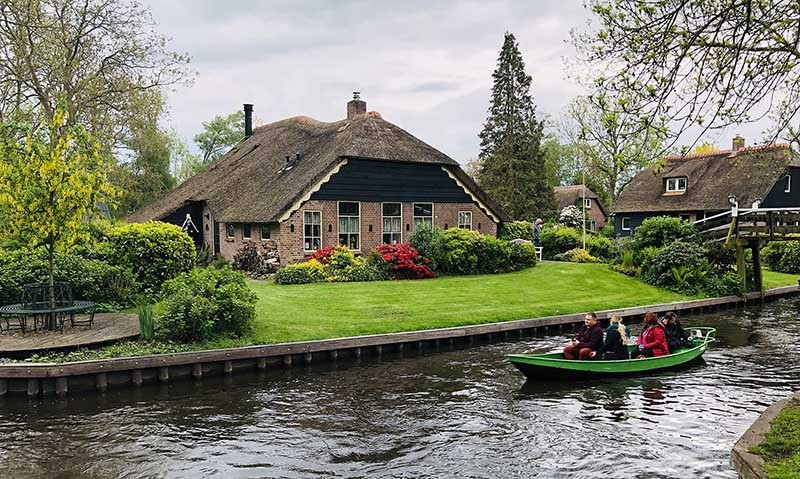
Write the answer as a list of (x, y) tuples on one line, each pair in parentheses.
[(781, 446), (773, 279), (316, 311), (334, 310)]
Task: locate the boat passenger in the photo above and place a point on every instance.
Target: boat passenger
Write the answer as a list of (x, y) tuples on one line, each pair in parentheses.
[(589, 339), (616, 343), (677, 337), (653, 340)]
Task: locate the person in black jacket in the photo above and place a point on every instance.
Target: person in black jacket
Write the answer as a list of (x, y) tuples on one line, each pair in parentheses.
[(616, 343), (677, 337), (589, 339)]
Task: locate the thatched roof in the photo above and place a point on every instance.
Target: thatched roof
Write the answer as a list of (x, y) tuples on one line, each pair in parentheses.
[(749, 173), (569, 195), (254, 183)]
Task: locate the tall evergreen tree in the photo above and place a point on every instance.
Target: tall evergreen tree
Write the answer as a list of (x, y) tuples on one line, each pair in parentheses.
[(513, 160)]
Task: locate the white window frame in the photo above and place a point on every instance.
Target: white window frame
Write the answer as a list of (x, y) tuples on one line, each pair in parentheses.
[(623, 221), (383, 229), (414, 217), (587, 202), (312, 236), (251, 231), (261, 228), (675, 182), (338, 230), (228, 233), (788, 188), (592, 225), (458, 220)]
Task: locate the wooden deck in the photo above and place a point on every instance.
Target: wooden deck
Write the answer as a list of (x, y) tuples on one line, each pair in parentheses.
[(107, 327)]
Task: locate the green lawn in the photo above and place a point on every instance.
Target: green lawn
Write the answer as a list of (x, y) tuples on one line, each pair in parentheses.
[(773, 279), (317, 311)]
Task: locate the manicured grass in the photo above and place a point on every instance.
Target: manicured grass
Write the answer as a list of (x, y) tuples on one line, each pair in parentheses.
[(318, 311), (781, 446), (774, 279)]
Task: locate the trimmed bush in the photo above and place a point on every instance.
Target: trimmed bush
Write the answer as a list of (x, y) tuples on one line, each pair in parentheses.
[(154, 251), (112, 287), (523, 256), (205, 304), (559, 240), (429, 241), (782, 256), (310, 271), (516, 230), (404, 261), (600, 246), (460, 251), (577, 255), (679, 266), (660, 231)]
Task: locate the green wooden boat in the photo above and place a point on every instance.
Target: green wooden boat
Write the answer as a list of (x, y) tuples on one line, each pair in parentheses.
[(554, 366)]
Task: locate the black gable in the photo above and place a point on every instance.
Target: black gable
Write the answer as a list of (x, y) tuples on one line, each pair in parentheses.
[(373, 180)]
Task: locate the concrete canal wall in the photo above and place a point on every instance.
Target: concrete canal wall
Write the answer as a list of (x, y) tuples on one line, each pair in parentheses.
[(35, 379), (747, 464)]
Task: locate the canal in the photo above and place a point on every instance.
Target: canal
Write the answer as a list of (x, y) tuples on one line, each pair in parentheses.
[(462, 413)]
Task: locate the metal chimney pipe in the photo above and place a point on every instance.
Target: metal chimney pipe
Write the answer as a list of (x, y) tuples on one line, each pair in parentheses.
[(248, 120)]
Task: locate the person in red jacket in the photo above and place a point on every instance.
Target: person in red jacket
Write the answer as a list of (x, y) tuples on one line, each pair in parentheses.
[(653, 340), (589, 339)]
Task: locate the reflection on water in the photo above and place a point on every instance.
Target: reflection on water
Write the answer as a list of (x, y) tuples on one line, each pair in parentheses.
[(463, 413)]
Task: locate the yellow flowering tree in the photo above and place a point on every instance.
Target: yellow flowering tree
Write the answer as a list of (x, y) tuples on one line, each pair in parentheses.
[(51, 180)]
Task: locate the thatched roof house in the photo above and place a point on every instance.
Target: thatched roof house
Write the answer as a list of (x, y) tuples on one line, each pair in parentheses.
[(577, 194), (303, 184), (694, 186)]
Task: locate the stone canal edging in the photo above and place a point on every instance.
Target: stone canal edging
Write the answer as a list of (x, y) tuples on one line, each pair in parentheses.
[(35, 379), (747, 464)]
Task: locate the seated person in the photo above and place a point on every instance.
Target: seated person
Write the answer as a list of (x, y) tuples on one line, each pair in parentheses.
[(616, 343), (653, 340), (677, 337), (590, 338)]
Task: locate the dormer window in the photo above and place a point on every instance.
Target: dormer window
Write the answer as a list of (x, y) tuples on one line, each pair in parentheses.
[(788, 188), (587, 203), (676, 185)]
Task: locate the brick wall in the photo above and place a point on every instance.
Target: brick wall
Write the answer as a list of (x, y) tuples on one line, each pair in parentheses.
[(229, 246), (290, 242), (596, 214)]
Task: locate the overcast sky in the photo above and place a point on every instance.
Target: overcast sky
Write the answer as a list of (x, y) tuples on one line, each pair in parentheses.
[(425, 66)]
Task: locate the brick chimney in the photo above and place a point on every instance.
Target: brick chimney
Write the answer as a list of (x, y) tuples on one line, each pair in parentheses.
[(356, 106), (738, 143)]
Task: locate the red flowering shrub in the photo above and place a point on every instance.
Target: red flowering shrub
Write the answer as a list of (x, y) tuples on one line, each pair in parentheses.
[(323, 255), (405, 261)]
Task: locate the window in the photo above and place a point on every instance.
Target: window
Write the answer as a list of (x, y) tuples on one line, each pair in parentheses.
[(246, 231), (676, 184), (592, 225), (230, 230), (392, 223), (788, 184), (312, 230), (465, 220), (626, 224), (264, 231), (587, 202), (423, 214), (349, 224)]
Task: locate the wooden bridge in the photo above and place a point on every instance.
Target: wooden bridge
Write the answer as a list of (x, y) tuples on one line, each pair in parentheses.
[(741, 229)]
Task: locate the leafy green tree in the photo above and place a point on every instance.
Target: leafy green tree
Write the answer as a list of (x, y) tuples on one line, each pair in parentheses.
[(51, 180), (711, 63), (219, 135), (513, 169), (610, 144), (98, 58)]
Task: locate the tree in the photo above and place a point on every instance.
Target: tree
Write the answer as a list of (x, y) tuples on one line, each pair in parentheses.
[(711, 63), (185, 164), (704, 148), (51, 180), (513, 169), (219, 135), (610, 144)]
